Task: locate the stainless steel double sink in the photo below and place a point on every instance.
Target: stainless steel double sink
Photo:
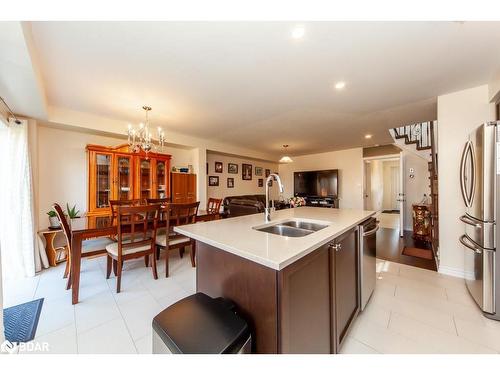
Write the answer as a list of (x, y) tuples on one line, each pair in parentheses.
[(292, 228)]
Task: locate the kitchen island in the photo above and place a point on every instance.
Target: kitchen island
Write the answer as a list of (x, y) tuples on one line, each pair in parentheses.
[(298, 291)]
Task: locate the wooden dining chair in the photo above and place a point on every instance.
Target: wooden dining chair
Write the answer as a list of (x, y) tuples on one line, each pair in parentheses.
[(114, 204), (177, 214), (92, 247), (136, 239), (213, 207), (161, 201)]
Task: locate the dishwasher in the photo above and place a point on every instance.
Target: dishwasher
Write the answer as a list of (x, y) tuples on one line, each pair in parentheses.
[(367, 259)]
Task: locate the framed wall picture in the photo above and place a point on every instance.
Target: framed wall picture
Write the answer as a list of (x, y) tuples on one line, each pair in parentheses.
[(268, 172), (213, 181), (261, 182), (246, 171), (218, 167), (232, 168), (258, 171), (230, 182)]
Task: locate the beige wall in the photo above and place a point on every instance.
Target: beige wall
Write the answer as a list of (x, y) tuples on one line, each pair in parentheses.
[(62, 167), (416, 187), (458, 114), (348, 162), (241, 187), (2, 337)]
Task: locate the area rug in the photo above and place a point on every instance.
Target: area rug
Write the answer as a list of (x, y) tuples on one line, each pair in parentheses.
[(418, 253), (390, 212), (21, 321)]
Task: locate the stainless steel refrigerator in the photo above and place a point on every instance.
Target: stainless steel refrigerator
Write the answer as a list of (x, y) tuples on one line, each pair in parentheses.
[(480, 185)]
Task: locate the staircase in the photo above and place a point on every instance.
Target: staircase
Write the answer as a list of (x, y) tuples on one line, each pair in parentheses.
[(420, 139)]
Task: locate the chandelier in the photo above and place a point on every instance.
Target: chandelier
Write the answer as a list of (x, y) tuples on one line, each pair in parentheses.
[(286, 159), (141, 139)]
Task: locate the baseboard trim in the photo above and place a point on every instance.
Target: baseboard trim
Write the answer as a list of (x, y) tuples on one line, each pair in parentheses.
[(451, 271)]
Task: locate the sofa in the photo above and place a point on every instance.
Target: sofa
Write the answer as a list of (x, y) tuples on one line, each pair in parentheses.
[(241, 205)]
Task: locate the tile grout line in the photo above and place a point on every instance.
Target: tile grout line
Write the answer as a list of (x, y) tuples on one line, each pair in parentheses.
[(455, 324), (369, 346), (122, 317)]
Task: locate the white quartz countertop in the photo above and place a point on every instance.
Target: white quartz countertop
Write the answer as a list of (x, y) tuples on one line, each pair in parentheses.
[(238, 236)]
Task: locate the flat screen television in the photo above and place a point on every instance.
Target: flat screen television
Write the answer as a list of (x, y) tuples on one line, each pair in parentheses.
[(316, 183)]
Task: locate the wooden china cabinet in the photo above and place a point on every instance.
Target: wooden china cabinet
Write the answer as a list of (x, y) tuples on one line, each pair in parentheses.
[(116, 173)]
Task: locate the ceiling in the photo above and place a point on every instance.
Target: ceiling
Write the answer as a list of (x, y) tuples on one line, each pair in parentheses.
[(252, 84)]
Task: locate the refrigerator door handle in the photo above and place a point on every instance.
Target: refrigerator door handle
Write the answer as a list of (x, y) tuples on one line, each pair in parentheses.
[(467, 220), (464, 240), (468, 196)]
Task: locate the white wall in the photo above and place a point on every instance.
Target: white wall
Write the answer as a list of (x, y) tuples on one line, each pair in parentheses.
[(458, 114), (241, 187), (348, 162), (416, 187), (62, 167)]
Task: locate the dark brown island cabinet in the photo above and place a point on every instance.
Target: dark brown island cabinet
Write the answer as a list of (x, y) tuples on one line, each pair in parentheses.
[(307, 307)]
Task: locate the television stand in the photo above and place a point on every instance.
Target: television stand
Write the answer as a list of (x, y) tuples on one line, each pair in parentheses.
[(330, 202)]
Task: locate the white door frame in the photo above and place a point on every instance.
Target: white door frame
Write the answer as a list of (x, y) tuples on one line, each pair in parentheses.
[(402, 194)]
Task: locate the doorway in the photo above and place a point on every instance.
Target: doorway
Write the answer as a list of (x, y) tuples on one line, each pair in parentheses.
[(382, 189), (389, 189)]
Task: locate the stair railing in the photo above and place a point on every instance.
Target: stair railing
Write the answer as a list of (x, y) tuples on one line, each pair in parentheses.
[(416, 133)]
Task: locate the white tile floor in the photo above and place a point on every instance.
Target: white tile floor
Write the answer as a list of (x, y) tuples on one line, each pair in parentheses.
[(412, 310), (419, 311), (388, 220), (103, 321)]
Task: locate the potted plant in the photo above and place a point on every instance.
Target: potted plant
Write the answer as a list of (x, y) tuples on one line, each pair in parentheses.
[(72, 212), (53, 220)]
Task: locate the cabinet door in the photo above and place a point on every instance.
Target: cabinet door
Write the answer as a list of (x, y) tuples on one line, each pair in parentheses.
[(160, 179), (344, 255), (179, 187), (100, 180), (304, 305), (191, 188), (145, 180), (123, 176)]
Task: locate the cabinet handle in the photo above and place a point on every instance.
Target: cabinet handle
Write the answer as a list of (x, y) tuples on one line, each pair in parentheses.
[(336, 246)]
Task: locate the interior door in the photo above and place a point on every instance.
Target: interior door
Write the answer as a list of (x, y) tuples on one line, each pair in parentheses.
[(367, 201), (401, 195)]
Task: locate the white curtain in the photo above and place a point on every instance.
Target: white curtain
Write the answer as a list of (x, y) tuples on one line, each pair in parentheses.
[(17, 240)]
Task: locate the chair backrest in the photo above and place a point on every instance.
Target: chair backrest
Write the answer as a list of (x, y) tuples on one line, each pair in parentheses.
[(162, 201), (139, 223), (176, 214), (213, 205), (64, 223), (114, 204)]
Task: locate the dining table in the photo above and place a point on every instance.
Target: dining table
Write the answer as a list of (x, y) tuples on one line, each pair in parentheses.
[(87, 227)]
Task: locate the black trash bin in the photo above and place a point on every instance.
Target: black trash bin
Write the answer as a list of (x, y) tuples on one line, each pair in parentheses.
[(199, 324)]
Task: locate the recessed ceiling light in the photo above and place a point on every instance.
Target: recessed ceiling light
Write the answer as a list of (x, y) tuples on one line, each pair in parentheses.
[(298, 32), (368, 136), (340, 85)]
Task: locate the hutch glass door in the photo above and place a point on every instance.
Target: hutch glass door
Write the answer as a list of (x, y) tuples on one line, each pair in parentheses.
[(145, 179), (103, 180), (124, 176), (161, 176)]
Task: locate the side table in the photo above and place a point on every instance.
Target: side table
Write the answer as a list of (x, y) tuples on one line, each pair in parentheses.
[(53, 253)]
